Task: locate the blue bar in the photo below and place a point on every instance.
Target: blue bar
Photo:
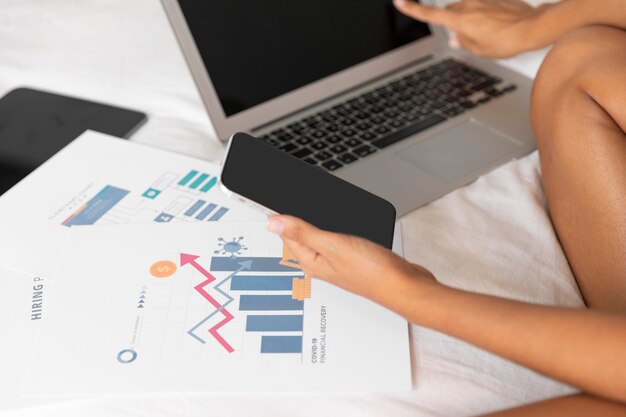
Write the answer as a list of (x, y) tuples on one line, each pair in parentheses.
[(269, 303), (281, 344), (191, 211), (205, 212), (218, 214), (274, 323), (97, 207), (226, 263), (261, 283), (206, 187), (198, 181), (188, 177)]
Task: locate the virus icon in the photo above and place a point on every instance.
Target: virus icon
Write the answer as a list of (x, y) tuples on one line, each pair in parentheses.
[(232, 248)]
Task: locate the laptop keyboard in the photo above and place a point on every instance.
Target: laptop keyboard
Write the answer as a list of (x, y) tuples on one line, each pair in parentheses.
[(381, 117)]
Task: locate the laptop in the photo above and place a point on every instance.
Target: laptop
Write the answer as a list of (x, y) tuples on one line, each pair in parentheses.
[(356, 88)]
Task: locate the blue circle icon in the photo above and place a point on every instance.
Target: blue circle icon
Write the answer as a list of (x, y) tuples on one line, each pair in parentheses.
[(126, 356)]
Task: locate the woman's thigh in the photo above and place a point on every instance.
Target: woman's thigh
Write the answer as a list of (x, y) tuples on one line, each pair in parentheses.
[(579, 119), (571, 405)]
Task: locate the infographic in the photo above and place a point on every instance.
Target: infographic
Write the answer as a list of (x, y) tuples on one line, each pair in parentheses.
[(101, 180), (171, 197), (209, 306)]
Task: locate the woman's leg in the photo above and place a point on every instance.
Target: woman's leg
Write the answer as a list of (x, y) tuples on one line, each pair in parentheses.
[(571, 405), (579, 119)]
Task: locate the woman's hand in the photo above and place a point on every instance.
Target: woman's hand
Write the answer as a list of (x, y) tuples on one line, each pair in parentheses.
[(548, 339), (490, 28), (349, 262)]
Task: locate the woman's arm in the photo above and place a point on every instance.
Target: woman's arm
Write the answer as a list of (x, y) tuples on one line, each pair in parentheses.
[(500, 29), (580, 347)]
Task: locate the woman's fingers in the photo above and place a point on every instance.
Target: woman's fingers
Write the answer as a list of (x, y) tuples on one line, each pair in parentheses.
[(303, 233), (312, 263), (426, 13), (321, 254), (491, 28), (466, 43), (349, 262), (306, 256), (453, 41)]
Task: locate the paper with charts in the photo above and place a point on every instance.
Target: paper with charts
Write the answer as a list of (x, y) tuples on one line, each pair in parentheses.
[(20, 308), (97, 180), (206, 307)]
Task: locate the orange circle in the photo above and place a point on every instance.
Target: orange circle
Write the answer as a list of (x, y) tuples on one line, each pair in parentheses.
[(162, 269)]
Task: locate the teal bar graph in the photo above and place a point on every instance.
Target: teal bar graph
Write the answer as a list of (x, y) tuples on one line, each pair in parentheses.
[(198, 181), (188, 177), (206, 187)]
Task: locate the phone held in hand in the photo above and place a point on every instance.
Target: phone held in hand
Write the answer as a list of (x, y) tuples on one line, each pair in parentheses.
[(273, 181)]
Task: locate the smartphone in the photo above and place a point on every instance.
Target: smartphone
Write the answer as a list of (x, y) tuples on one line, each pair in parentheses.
[(273, 181)]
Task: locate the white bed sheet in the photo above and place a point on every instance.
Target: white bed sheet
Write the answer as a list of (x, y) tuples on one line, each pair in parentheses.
[(493, 236)]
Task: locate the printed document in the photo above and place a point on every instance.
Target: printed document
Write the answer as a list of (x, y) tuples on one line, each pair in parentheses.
[(216, 306)]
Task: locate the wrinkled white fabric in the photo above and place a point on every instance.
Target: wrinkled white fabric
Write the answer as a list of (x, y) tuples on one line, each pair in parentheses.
[(493, 236)]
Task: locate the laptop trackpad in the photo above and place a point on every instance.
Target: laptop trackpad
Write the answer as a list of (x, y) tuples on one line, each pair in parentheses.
[(459, 151)]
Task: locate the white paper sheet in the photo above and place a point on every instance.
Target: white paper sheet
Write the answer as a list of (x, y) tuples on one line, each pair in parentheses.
[(21, 313), (206, 307), (21, 309), (99, 179)]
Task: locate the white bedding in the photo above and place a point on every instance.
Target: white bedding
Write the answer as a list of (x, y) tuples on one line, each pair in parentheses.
[(493, 236)]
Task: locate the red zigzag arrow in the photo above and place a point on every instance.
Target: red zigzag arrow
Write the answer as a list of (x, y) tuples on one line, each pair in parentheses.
[(191, 260)]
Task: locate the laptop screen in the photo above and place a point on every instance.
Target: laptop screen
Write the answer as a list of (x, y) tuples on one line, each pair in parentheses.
[(258, 50)]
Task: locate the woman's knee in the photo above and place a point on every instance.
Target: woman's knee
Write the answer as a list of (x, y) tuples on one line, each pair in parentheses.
[(573, 68)]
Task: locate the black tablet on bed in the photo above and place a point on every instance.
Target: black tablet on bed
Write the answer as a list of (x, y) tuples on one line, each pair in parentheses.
[(34, 125)]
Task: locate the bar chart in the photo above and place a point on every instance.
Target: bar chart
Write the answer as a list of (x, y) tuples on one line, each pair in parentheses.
[(171, 197), (271, 298), (92, 211), (193, 182), (179, 324), (200, 181)]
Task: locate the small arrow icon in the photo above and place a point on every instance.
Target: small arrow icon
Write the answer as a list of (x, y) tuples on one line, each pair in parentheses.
[(245, 265)]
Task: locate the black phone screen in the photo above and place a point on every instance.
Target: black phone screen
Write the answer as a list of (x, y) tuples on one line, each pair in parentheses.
[(34, 125), (280, 182)]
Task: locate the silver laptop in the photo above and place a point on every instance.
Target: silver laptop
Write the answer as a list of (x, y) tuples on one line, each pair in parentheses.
[(356, 88)]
